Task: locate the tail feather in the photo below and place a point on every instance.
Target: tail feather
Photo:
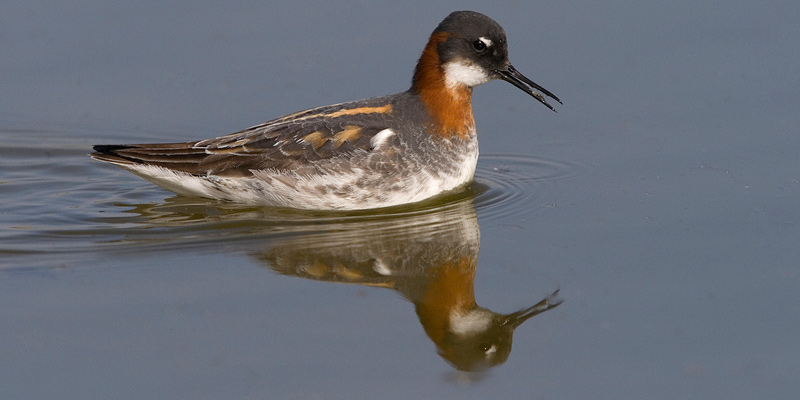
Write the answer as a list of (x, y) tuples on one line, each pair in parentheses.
[(166, 155), (182, 157)]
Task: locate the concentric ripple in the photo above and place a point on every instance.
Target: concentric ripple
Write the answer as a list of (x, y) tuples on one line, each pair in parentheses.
[(60, 207), (513, 183)]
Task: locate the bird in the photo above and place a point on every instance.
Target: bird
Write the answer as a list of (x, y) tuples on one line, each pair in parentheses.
[(365, 154)]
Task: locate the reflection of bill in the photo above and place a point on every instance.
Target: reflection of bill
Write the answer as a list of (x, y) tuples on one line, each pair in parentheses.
[(431, 259)]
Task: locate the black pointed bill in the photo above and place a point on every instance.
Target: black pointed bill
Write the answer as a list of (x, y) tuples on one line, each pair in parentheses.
[(552, 301), (514, 77)]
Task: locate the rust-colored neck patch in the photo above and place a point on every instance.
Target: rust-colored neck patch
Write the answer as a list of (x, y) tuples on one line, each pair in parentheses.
[(451, 291), (450, 107)]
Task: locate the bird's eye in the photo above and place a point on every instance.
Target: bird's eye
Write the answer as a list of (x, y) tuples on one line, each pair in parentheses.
[(479, 45)]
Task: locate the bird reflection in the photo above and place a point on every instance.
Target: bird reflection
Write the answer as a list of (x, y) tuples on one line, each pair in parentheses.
[(430, 258)]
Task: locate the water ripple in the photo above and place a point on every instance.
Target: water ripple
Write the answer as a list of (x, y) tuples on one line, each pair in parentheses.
[(515, 182), (59, 205)]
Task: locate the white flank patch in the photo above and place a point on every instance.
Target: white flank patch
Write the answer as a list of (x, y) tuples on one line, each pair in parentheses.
[(380, 138), (380, 267), (183, 183), (464, 73)]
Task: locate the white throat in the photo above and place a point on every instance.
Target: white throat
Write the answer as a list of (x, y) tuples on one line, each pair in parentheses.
[(464, 73)]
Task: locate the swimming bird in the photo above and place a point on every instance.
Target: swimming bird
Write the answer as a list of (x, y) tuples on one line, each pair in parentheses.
[(371, 153)]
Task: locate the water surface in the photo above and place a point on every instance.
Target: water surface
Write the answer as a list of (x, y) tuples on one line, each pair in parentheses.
[(661, 200)]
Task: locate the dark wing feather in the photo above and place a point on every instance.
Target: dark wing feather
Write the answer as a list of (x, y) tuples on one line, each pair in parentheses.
[(178, 156), (281, 144)]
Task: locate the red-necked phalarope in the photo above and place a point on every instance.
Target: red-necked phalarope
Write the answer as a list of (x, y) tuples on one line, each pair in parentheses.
[(370, 153)]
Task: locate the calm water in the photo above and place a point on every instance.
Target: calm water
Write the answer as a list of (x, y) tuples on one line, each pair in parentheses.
[(661, 201)]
